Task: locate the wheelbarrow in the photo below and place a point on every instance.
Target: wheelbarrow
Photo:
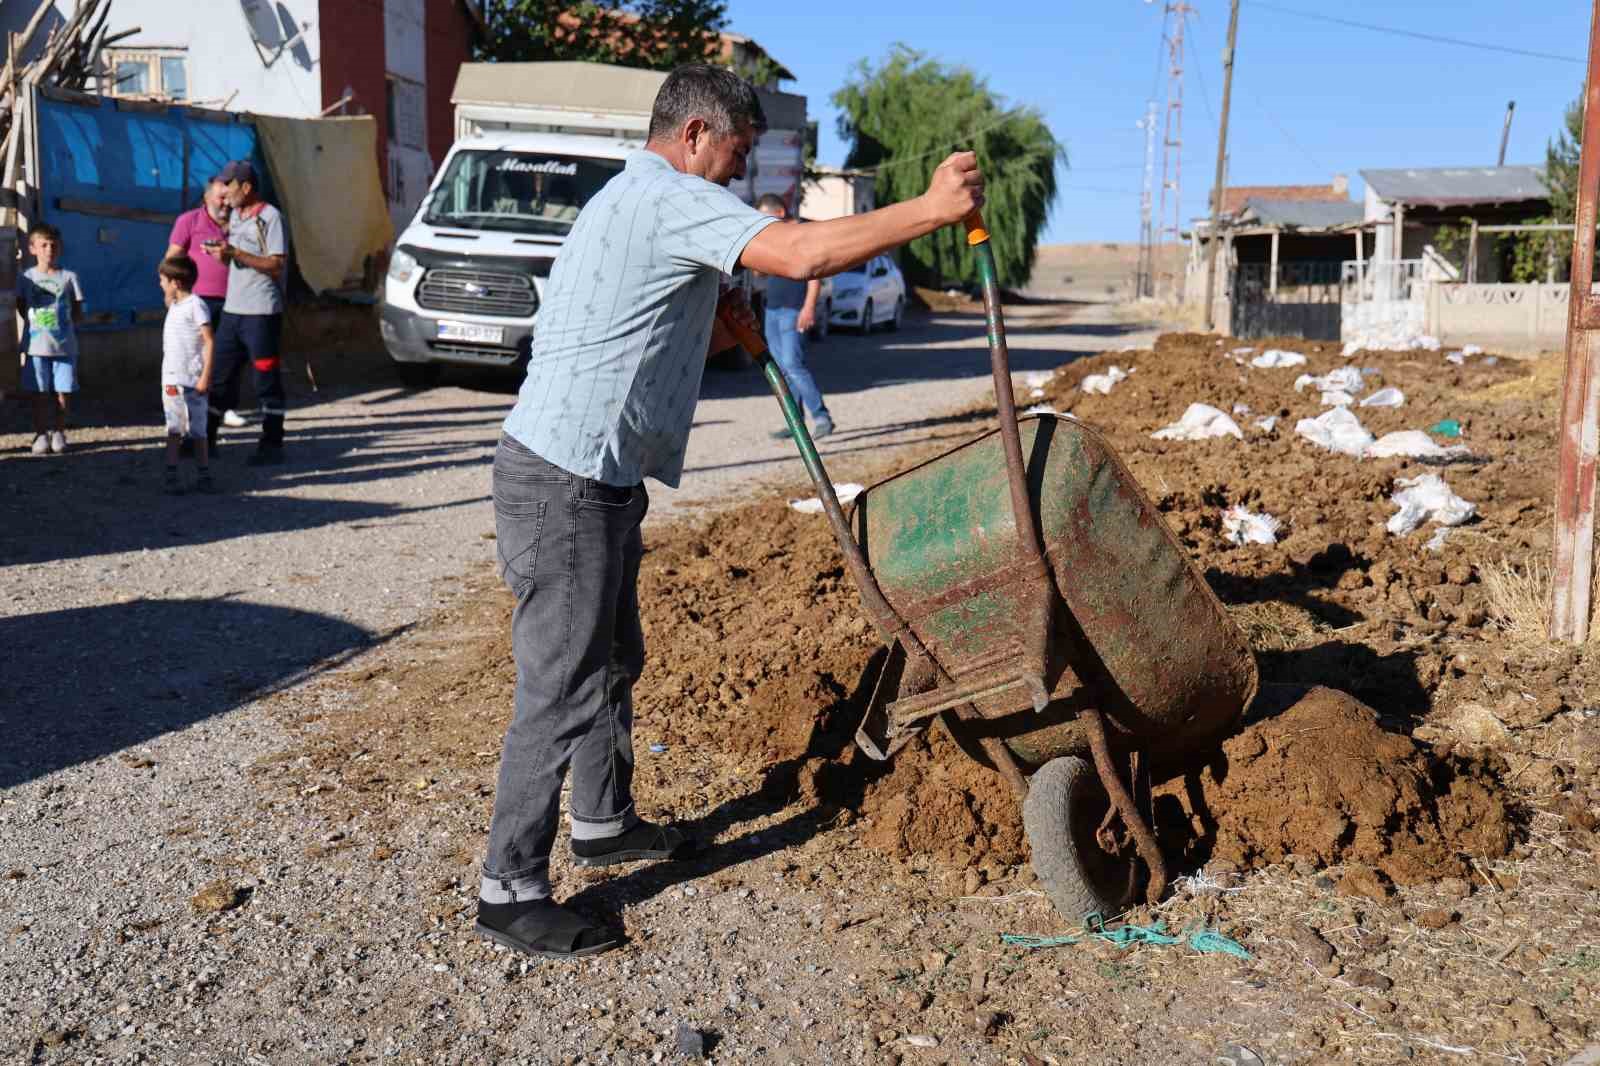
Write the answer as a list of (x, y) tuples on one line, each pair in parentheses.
[(1035, 604)]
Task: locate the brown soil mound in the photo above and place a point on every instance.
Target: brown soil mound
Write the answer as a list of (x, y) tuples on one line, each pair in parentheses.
[(1324, 781), (761, 659)]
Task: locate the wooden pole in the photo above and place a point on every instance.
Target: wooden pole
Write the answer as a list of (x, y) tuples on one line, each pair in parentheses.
[(1572, 568), (1272, 276), (1222, 158), (1472, 254)]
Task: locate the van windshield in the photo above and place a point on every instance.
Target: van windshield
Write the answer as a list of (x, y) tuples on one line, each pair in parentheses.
[(523, 192)]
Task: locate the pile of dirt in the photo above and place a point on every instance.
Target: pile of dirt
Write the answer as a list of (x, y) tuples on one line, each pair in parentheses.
[(761, 659), (1324, 782)]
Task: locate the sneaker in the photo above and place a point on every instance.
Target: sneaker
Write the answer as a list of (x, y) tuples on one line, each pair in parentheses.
[(58, 442), (171, 485), (205, 484), (822, 428), (234, 419), (782, 434), (266, 455), (41, 445)]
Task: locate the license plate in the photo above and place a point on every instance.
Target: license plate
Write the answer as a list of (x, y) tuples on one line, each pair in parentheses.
[(471, 331)]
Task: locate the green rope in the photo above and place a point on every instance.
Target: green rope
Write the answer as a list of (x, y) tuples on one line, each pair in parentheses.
[(1206, 941)]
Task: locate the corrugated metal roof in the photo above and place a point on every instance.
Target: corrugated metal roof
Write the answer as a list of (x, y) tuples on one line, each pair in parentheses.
[(1299, 214), (589, 88), (1458, 186)]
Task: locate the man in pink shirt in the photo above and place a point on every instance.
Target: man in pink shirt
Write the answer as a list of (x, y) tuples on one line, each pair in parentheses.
[(208, 222)]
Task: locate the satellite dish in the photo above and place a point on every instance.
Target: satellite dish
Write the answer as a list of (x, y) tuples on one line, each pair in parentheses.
[(265, 27), (274, 31)]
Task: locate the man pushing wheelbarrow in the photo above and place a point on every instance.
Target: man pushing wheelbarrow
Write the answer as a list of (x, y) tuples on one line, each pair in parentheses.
[(627, 319)]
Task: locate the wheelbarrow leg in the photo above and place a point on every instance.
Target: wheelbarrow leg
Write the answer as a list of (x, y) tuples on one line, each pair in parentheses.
[(1143, 838)]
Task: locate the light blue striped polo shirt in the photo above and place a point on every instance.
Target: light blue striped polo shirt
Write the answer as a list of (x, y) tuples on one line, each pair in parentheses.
[(619, 345)]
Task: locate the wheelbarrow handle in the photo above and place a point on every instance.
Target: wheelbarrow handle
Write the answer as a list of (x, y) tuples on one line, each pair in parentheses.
[(977, 232), (889, 623), (891, 626)]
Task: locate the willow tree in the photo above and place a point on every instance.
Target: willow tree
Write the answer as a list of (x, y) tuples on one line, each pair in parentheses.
[(904, 117)]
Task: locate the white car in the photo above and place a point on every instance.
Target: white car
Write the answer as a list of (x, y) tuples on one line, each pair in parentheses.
[(872, 295)]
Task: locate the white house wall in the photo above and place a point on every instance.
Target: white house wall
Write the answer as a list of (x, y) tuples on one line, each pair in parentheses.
[(218, 37)]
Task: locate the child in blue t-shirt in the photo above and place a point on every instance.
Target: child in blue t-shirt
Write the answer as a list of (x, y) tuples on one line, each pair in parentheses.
[(51, 303)]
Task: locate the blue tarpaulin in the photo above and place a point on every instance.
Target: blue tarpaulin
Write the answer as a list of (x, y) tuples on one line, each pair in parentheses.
[(114, 177)]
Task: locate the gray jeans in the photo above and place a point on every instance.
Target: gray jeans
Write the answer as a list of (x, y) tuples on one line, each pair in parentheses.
[(569, 549)]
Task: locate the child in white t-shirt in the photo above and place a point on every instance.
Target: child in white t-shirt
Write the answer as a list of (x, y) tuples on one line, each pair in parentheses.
[(186, 357)]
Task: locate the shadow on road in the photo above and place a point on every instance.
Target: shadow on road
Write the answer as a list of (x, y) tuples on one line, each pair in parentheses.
[(84, 683)]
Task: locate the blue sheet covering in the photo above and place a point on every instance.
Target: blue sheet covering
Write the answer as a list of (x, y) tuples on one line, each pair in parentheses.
[(147, 160)]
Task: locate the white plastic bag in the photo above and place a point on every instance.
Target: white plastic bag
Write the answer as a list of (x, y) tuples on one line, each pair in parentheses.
[(1277, 357), (1413, 444), (1424, 498), (1385, 397), (1337, 430), (1240, 526), (1266, 425), (1344, 378), (1337, 398), (1102, 384), (1200, 422), (846, 492)]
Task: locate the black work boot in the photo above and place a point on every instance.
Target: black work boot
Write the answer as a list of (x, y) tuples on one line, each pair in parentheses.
[(270, 451)]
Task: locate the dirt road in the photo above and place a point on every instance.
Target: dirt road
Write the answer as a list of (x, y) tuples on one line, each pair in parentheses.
[(157, 652)]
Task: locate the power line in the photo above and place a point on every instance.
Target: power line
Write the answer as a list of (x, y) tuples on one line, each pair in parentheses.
[(1205, 95), (1433, 37), (1098, 188)]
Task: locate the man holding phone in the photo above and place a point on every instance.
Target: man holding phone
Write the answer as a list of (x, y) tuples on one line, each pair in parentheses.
[(194, 234), (254, 252)]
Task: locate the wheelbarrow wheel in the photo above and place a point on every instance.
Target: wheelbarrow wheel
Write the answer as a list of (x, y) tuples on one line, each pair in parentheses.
[(1064, 808)]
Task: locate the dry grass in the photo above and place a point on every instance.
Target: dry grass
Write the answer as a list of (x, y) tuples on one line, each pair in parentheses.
[(1519, 597), (1275, 626), (1543, 379)]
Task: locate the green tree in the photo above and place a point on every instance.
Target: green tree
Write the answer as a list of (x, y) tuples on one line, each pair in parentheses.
[(905, 116), (1534, 254), (655, 34)]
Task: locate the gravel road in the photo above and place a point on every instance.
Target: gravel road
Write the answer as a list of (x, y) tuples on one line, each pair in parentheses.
[(153, 646)]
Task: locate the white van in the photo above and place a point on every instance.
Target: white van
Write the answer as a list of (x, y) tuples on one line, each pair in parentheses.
[(533, 142)]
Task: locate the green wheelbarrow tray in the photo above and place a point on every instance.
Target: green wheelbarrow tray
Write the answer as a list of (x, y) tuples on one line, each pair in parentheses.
[(1137, 633), (1036, 604)]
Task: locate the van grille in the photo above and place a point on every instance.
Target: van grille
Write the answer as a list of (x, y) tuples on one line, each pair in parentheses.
[(478, 292)]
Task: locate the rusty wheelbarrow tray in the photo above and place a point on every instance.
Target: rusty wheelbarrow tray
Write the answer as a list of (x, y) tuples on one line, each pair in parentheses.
[(1037, 605)]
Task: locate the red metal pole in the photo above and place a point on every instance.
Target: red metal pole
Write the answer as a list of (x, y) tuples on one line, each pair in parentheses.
[(1573, 563)]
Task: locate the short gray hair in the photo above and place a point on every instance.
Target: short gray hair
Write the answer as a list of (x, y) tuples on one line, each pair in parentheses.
[(716, 94)]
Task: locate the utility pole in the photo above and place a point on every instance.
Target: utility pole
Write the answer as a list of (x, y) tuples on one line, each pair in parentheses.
[(1170, 226), (1572, 564), (1222, 160), (1505, 133), (1145, 280)]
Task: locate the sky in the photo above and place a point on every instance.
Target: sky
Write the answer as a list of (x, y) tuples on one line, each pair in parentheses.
[(1311, 98)]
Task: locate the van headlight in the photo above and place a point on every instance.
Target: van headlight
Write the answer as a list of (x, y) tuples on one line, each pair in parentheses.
[(402, 265)]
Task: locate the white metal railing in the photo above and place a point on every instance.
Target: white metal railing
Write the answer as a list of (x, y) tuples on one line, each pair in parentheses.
[(1369, 281)]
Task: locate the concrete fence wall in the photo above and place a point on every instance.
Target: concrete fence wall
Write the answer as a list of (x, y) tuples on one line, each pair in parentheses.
[(1532, 315)]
